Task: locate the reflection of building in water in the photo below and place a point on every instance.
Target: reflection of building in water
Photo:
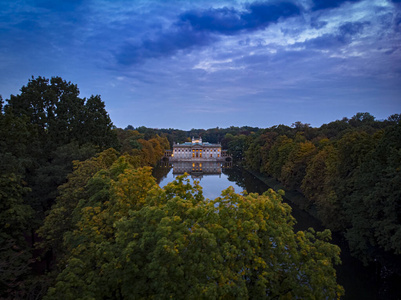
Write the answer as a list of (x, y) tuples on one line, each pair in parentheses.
[(197, 151), (198, 169)]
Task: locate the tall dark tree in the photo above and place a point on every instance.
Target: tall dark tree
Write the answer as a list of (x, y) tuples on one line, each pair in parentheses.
[(44, 102), (98, 128), (60, 116), (59, 127)]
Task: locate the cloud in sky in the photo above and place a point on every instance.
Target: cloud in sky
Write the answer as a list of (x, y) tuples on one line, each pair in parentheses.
[(229, 20), (230, 62), (195, 28), (325, 4)]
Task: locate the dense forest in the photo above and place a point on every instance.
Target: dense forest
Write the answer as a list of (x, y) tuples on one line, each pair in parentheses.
[(349, 171), (82, 217), (52, 141)]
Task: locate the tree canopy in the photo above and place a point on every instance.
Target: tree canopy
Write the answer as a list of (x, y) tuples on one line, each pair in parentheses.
[(108, 231), (43, 130), (349, 172), (128, 238)]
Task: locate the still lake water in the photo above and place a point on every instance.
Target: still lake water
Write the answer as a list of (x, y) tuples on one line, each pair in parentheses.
[(211, 176), (359, 282)]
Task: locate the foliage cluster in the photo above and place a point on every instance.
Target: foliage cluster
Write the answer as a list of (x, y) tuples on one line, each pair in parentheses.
[(349, 170), (42, 131), (113, 233), (118, 235)]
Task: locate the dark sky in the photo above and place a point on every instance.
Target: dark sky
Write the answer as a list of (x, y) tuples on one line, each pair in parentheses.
[(202, 63)]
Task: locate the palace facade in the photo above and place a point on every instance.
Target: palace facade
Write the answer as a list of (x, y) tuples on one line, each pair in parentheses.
[(197, 151)]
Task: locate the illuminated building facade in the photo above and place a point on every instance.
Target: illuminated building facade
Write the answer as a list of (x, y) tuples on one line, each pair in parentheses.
[(197, 151)]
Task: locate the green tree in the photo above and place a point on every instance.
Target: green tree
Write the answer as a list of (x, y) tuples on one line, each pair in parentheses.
[(15, 139), (294, 169), (362, 119), (59, 116), (60, 217), (47, 126), (253, 157), (395, 118), (283, 130), (278, 155), (257, 150), (335, 129), (257, 154), (53, 173), (237, 146), (97, 125), (128, 140), (133, 240), (319, 187), (15, 219), (374, 207), (353, 148), (48, 104), (90, 241)]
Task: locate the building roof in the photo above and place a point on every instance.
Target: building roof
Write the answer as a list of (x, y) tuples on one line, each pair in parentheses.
[(197, 142)]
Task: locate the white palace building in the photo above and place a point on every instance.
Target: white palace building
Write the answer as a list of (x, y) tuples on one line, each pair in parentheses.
[(197, 151)]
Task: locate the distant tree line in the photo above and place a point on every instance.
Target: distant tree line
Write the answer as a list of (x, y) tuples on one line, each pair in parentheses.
[(212, 135)]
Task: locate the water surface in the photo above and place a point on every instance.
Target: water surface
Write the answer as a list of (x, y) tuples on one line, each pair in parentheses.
[(210, 175)]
